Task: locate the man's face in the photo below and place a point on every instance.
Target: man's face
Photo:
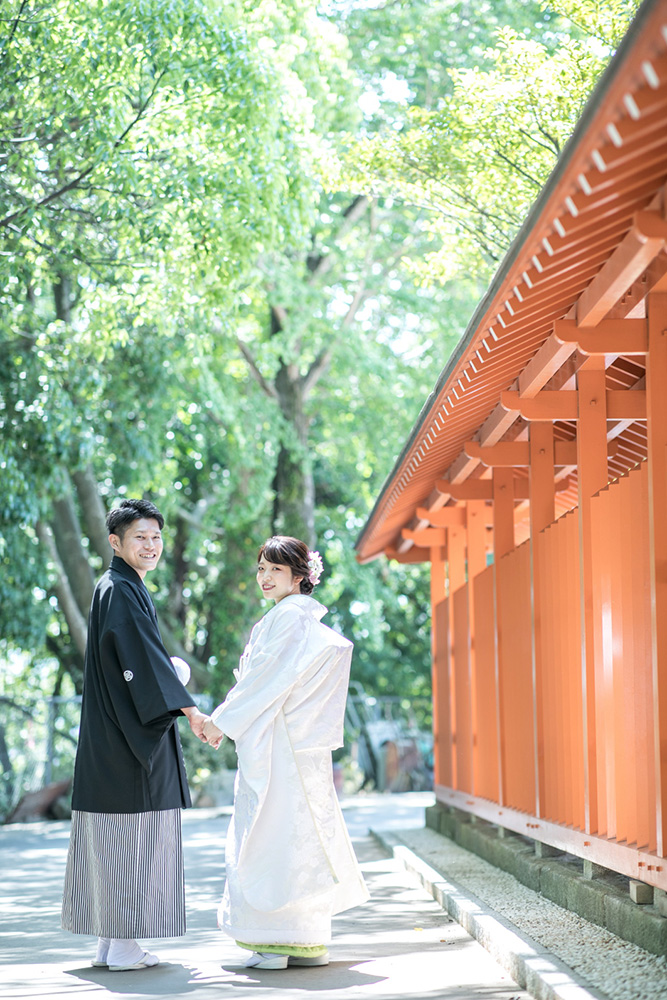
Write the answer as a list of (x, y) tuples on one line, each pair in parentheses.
[(140, 546)]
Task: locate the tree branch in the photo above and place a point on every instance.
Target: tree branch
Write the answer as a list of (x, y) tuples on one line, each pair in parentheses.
[(55, 195), (259, 378), (317, 369), (15, 25), (318, 266)]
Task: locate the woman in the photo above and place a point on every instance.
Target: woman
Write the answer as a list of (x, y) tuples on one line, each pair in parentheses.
[(290, 863)]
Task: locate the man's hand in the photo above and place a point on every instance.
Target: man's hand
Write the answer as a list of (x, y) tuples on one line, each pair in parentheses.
[(212, 734), (197, 721)]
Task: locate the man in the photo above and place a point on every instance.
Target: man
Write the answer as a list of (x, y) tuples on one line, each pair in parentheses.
[(124, 876)]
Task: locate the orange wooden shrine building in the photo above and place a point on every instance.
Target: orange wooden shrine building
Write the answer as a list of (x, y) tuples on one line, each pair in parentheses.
[(543, 451)]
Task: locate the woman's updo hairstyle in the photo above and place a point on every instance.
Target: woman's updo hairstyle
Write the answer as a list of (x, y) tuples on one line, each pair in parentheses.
[(288, 551)]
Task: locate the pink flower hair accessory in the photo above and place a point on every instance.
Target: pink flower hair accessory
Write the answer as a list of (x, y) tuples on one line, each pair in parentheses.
[(315, 567)]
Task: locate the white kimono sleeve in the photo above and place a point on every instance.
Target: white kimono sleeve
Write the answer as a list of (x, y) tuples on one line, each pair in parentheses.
[(272, 669)]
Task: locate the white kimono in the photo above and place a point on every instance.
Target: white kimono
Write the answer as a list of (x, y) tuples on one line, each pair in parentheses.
[(290, 863)]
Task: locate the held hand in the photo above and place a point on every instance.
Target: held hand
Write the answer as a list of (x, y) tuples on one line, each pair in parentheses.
[(197, 722), (212, 734)]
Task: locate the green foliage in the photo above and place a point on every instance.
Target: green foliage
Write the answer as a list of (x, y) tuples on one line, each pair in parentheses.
[(166, 126), (479, 155), (405, 50), (603, 20)]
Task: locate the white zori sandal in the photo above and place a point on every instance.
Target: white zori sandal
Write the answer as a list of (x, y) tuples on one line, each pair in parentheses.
[(124, 956), (266, 960)]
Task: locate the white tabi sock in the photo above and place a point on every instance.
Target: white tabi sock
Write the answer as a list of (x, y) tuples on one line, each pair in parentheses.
[(102, 953), (126, 951)]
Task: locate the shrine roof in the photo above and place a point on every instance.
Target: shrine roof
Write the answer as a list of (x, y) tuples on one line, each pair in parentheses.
[(591, 248)]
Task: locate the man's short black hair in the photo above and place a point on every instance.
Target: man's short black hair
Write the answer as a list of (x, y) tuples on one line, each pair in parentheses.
[(120, 518)]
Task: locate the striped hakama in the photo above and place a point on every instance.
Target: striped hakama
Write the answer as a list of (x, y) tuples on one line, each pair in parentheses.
[(124, 876)]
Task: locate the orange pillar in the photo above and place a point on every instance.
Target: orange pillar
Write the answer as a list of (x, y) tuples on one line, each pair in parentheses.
[(440, 669), (476, 529), (503, 512), (592, 476), (656, 413), (542, 513), (541, 476)]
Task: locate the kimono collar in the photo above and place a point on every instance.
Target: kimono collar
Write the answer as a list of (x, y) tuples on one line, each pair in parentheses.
[(119, 565), (308, 604)]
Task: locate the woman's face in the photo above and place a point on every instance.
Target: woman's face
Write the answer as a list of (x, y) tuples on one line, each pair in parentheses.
[(276, 580)]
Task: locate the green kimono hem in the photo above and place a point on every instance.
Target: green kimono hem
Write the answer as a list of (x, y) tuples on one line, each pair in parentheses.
[(298, 951)]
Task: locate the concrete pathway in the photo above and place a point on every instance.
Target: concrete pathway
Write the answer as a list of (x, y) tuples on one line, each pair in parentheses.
[(400, 944)]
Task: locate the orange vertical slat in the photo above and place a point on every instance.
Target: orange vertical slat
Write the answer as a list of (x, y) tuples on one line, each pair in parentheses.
[(476, 563), (485, 774), (560, 747), (553, 640), (515, 679), (624, 668), (461, 661), (539, 572), (644, 726), (542, 513), (440, 670), (456, 576), (591, 477), (573, 660), (601, 542), (560, 702)]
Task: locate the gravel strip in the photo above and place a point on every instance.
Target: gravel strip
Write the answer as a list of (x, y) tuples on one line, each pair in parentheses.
[(620, 969)]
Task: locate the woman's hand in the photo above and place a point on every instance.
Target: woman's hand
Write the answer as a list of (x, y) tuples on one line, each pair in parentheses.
[(212, 734)]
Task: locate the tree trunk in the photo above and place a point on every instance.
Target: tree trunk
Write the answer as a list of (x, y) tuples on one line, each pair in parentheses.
[(92, 512), (294, 501), (62, 297), (73, 556)]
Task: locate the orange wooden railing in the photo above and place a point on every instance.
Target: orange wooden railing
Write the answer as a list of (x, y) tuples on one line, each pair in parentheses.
[(515, 741)]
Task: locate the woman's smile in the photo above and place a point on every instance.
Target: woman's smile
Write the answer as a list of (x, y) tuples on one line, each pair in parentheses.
[(276, 580)]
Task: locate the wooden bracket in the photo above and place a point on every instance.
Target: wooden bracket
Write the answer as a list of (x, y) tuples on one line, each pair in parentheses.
[(445, 517), (546, 405), (505, 453), (517, 454), (610, 336), (412, 555), (426, 538), (482, 489), (622, 404)]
